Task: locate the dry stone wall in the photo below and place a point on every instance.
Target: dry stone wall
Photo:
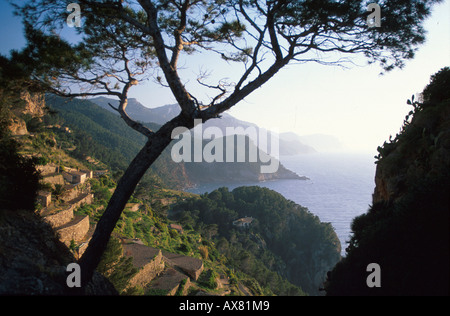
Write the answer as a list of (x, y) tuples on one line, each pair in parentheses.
[(61, 218), (75, 230)]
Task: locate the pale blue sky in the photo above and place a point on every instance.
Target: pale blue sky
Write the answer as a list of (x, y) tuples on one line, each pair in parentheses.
[(356, 105)]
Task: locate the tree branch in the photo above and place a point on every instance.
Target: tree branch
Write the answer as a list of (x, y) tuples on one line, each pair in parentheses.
[(273, 35), (173, 80), (178, 34), (239, 94), (130, 122), (113, 107)]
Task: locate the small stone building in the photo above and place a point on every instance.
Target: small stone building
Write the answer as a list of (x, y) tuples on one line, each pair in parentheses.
[(44, 198), (78, 176), (243, 222)]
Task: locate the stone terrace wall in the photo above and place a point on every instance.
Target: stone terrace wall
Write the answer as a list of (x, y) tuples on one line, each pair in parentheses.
[(61, 218), (191, 266), (149, 261), (85, 198), (53, 178), (75, 230)]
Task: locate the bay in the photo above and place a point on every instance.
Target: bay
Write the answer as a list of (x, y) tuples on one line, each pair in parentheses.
[(340, 187)]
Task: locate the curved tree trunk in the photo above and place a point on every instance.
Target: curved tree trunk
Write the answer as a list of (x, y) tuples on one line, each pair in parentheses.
[(125, 188)]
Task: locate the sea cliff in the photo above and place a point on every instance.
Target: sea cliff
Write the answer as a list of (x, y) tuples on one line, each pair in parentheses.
[(405, 231)]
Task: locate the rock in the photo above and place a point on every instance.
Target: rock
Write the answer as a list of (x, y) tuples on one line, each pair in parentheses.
[(18, 127), (33, 104)]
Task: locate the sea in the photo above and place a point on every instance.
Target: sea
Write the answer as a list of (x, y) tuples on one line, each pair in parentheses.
[(339, 188)]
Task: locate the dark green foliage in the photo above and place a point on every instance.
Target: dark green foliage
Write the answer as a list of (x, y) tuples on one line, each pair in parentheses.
[(97, 132), (119, 269), (120, 39), (274, 246), (208, 279), (438, 88), (105, 136), (39, 65), (320, 25), (436, 99), (101, 189)]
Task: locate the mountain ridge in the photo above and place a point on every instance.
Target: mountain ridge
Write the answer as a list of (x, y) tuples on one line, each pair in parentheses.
[(110, 131), (162, 114)]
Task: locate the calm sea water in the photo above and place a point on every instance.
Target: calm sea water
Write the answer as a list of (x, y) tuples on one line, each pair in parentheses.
[(340, 187)]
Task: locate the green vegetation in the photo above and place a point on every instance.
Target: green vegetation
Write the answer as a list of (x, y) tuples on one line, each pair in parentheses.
[(258, 260), (274, 246), (100, 134), (116, 267), (151, 225), (92, 131), (103, 135), (261, 257)]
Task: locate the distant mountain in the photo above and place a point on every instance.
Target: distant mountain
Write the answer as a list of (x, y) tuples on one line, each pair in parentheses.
[(322, 142), (293, 145), (108, 138), (139, 112), (288, 144)]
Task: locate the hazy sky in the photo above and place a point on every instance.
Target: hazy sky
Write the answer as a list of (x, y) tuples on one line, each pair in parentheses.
[(355, 105)]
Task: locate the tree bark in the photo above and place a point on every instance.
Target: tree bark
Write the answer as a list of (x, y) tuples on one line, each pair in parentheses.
[(125, 188)]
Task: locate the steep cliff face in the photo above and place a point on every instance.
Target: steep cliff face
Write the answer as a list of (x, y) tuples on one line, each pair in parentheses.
[(27, 105), (406, 230), (32, 104)]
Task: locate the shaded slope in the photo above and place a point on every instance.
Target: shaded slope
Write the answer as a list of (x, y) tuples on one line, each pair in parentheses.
[(406, 231)]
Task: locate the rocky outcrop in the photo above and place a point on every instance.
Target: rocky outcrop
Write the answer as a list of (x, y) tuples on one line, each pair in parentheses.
[(33, 104), (17, 126), (30, 105)]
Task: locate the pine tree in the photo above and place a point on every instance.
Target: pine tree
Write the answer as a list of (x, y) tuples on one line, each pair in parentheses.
[(124, 43)]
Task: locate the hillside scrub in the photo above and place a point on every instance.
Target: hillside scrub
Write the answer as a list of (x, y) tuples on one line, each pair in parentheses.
[(284, 240)]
